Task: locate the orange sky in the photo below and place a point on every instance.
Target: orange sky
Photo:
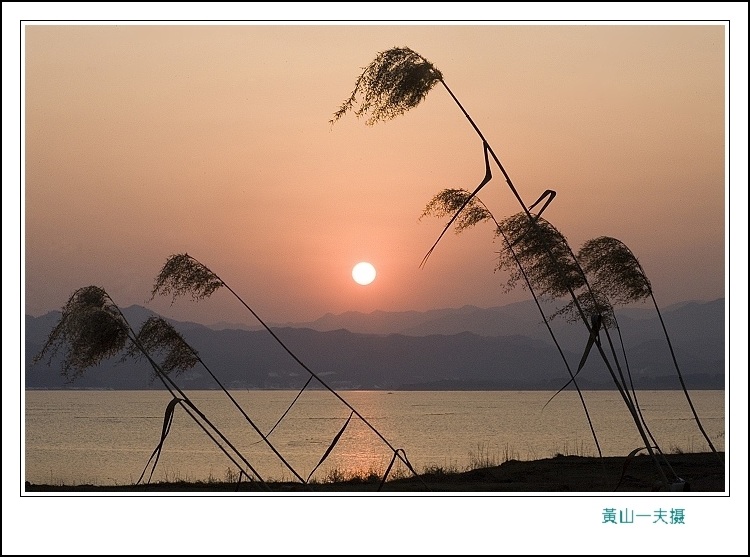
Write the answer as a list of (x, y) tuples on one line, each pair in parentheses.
[(142, 141)]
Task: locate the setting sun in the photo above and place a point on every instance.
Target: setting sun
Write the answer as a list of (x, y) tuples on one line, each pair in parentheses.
[(363, 273)]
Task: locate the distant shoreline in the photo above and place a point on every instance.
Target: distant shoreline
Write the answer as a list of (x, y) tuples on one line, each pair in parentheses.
[(490, 350)]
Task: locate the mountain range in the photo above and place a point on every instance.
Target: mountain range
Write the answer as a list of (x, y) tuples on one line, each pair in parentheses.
[(469, 348)]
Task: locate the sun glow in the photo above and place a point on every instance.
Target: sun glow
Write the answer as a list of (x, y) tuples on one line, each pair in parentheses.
[(363, 273)]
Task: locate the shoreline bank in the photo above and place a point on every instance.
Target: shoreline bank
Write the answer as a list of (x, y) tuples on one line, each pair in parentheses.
[(687, 472)]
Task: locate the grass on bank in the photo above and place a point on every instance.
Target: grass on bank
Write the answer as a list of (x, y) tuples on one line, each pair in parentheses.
[(482, 458)]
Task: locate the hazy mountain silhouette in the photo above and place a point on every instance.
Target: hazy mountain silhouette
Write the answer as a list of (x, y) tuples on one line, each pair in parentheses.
[(504, 347)]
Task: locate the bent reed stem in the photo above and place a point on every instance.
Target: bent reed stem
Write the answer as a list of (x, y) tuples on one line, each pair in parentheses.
[(620, 388), (169, 384), (313, 374)]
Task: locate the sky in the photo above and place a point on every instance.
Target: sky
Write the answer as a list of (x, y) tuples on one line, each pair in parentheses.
[(140, 140), (147, 140)]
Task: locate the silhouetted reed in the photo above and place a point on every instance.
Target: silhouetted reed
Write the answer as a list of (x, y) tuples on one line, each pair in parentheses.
[(184, 275), (450, 202), (158, 336), (396, 81), (617, 272), (92, 328), (532, 243)]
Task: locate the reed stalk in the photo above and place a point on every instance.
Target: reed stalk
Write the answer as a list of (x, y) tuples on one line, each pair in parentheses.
[(396, 81)]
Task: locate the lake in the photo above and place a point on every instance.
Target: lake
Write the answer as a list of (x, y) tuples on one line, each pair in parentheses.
[(106, 437)]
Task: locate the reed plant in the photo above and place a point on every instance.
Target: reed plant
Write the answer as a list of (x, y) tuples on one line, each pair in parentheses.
[(92, 328), (617, 272), (183, 275), (156, 335), (557, 278), (399, 79), (467, 211)]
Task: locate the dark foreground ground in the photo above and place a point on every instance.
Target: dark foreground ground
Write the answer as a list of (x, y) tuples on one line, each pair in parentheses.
[(702, 472)]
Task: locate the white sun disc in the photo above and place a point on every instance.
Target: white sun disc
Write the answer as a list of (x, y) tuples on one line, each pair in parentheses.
[(363, 273)]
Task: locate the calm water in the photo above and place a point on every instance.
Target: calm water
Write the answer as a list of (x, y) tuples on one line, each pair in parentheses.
[(107, 437)]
